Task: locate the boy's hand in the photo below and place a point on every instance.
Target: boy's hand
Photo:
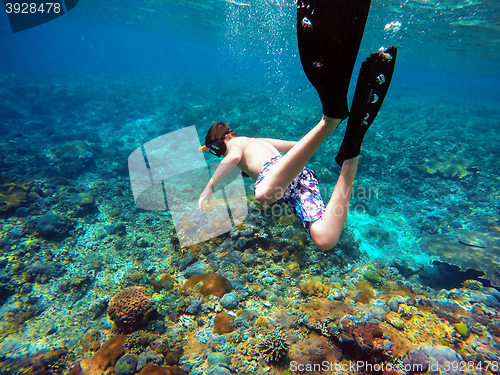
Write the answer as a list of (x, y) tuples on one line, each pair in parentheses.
[(207, 194)]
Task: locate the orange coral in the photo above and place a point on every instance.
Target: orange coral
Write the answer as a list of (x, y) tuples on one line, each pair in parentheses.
[(164, 282), (103, 359), (365, 293), (150, 369), (223, 323), (212, 284), (130, 308)]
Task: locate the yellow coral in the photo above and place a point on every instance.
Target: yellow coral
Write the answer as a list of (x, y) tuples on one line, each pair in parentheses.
[(311, 287), (12, 195), (427, 328), (448, 165)]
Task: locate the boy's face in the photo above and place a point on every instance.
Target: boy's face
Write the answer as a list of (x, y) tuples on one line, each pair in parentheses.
[(219, 146)]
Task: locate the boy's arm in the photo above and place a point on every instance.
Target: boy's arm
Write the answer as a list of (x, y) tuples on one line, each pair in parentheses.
[(281, 145), (231, 160)]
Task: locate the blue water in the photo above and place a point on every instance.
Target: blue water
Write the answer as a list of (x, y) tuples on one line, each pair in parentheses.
[(80, 93)]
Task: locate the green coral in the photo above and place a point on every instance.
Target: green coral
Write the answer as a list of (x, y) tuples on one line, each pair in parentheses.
[(448, 165), (274, 347), (372, 276)]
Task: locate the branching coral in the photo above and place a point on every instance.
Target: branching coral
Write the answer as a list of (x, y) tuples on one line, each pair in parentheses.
[(274, 347)]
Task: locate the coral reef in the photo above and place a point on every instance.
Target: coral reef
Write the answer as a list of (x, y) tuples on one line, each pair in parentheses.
[(162, 282), (448, 165), (223, 323), (130, 309), (448, 248), (312, 287), (73, 237), (207, 284), (274, 347), (52, 227), (104, 359)]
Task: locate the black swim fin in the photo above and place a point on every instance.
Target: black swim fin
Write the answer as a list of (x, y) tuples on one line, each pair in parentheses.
[(329, 33), (373, 82)]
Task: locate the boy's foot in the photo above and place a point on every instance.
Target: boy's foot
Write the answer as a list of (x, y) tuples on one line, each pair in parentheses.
[(329, 33), (373, 82)]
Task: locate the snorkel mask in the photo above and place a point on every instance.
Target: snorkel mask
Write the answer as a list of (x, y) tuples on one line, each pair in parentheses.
[(217, 147)]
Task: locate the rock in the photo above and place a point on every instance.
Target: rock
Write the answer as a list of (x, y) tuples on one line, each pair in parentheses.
[(492, 292), (395, 320), (197, 268), (194, 306), (218, 358), (218, 370), (480, 297), (440, 356), (120, 229), (229, 301), (52, 227), (187, 261), (109, 228), (417, 359), (148, 356), (395, 301)]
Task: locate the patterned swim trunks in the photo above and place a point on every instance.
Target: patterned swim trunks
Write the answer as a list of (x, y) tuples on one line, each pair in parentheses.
[(302, 195)]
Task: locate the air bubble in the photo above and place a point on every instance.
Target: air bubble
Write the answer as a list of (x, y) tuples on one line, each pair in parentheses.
[(306, 22), (373, 98), (380, 79)]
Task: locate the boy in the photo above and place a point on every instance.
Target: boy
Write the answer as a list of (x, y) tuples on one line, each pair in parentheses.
[(329, 33)]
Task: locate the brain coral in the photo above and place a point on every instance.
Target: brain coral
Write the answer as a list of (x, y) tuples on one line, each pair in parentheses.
[(130, 308)]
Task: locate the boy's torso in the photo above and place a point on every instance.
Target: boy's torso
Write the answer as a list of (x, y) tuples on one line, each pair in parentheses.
[(256, 152)]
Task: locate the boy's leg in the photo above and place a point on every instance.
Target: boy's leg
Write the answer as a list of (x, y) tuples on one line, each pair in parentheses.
[(272, 187), (326, 232), (329, 33)]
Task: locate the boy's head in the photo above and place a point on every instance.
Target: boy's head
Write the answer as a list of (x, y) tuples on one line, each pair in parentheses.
[(216, 136)]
